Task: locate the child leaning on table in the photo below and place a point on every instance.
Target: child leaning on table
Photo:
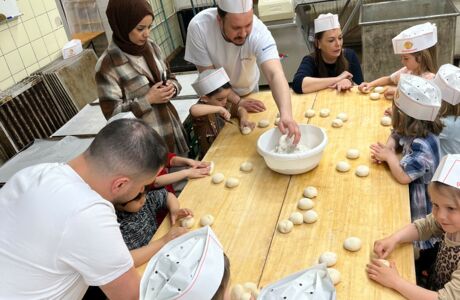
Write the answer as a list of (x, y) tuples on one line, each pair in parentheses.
[(444, 222), (213, 109)]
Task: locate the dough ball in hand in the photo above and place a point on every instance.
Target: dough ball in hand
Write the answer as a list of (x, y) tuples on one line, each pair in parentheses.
[(384, 262), (187, 222)]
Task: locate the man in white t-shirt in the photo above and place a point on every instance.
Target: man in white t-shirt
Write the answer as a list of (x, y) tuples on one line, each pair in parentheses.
[(59, 232), (230, 36)]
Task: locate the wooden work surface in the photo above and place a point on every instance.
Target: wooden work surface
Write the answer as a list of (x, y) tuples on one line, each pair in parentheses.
[(246, 217)]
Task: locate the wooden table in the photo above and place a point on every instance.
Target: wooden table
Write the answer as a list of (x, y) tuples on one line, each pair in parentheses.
[(247, 216)]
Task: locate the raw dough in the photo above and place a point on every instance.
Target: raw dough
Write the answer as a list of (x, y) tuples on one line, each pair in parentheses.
[(305, 204), (337, 123), (342, 116), (246, 130), (296, 218), (343, 166), (379, 89), (237, 292), (246, 296), (310, 113), (385, 121), (384, 262), (232, 182), (206, 220), (324, 112), (217, 178), (263, 123), (187, 222), (374, 96), (352, 153), (211, 167), (310, 216), (352, 244), (362, 171), (285, 226), (286, 146), (334, 274), (246, 166), (250, 287), (277, 121), (310, 192), (329, 258)]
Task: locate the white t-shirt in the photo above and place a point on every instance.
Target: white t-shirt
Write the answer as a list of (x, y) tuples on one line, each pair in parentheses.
[(206, 46), (57, 236)]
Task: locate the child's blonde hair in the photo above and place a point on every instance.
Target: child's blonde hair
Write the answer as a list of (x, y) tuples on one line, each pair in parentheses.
[(448, 109), (446, 190), (427, 59), (407, 126)]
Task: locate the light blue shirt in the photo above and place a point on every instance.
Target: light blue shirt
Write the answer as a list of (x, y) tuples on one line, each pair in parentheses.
[(450, 136)]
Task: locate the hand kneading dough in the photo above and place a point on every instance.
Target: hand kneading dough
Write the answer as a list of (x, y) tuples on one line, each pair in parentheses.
[(285, 226), (277, 121), (211, 167), (352, 153), (263, 123), (334, 274), (374, 96), (310, 216), (342, 116), (352, 244), (305, 204), (246, 166), (246, 296), (379, 89), (343, 166), (296, 218), (206, 220), (384, 262), (310, 113), (324, 112), (237, 292), (246, 130), (337, 123), (217, 178), (385, 121), (362, 171), (232, 182), (187, 222), (329, 258), (250, 287), (310, 192)]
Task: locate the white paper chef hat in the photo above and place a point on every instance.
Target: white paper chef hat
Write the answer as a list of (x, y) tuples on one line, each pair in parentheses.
[(448, 81), (210, 80), (448, 171), (312, 283), (189, 267), (418, 97), (326, 22), (235, 6), (415, 38)]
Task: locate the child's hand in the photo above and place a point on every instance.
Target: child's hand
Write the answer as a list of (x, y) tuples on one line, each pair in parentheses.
[(383, 247), (388, 112), (198, 164), (390, 93), (344, 85), (179, 214), (246, 123), (386, 276), (364, 87), (173, 233), (345, 75), (381, 153), (193, 173), (224, 113)]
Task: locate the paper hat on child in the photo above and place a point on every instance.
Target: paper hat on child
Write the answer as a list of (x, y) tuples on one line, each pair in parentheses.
[(235, 6), (448, 171), (326, 22), (312, 283), (418, 97), (448, 81), (189, 267), (415, 38), (210, 80)]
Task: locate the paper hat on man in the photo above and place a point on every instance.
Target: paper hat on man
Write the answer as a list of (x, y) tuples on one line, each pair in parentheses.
[(448, 171), (210, 80), (415, 38), (326, 22), (312, 283), (448, 81), (235, 6), (189, 267), (418, 97)]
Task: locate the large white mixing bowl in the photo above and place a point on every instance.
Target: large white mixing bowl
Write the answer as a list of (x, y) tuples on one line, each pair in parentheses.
[(312, 136)]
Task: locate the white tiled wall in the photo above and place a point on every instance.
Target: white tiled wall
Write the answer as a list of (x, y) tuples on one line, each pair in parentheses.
[(30, 41)]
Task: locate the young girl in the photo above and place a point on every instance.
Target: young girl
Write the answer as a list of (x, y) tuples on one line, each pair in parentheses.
[(212, 110), (443, 223), (448, 80), (417, 47)]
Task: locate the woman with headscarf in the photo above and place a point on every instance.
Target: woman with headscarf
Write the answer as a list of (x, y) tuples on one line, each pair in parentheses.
[(130, 74)]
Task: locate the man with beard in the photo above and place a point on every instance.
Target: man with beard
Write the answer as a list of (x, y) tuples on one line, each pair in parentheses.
[(232, 37)]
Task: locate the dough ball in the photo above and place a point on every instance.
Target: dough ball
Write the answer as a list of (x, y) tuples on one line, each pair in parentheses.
[(246, 166), (379, 89), (250, 287), (352, 153), (362, 171), (206, 220), (343, 166), (310, 216), (237, 292), (384, 262), (232, 182), (211, 167), (217, 178), (246, 296), (385, 121), (337, 123), (329, 258), (310, 113), (342, 116), (310, 192), (352, 244), (305, 204), (187, 222), (263, 123), (246, 130), (334, 274), (285, 226), (324, 112), (296, 218), (374, 96), (277, 121)]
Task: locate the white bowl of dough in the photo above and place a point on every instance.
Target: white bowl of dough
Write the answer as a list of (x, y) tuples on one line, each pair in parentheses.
[(297, 162)]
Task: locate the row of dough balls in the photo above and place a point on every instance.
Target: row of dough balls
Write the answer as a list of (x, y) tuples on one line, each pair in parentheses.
[(244, 291), (232, 182), (344, 166), (261, 124), (296, 218), (205, 220)]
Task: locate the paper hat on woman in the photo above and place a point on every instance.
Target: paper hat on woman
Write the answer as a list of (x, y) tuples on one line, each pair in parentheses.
[(189, 267), (418, 97), (326, 22), (209, 81), (448, 171), (235, 6), (312, 283), (415, 38), (448, 81)]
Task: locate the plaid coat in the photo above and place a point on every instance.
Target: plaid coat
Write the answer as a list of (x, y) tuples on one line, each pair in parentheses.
[(122, 85)]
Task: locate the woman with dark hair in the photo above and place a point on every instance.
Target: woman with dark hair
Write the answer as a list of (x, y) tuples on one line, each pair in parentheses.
[(330, 65)]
